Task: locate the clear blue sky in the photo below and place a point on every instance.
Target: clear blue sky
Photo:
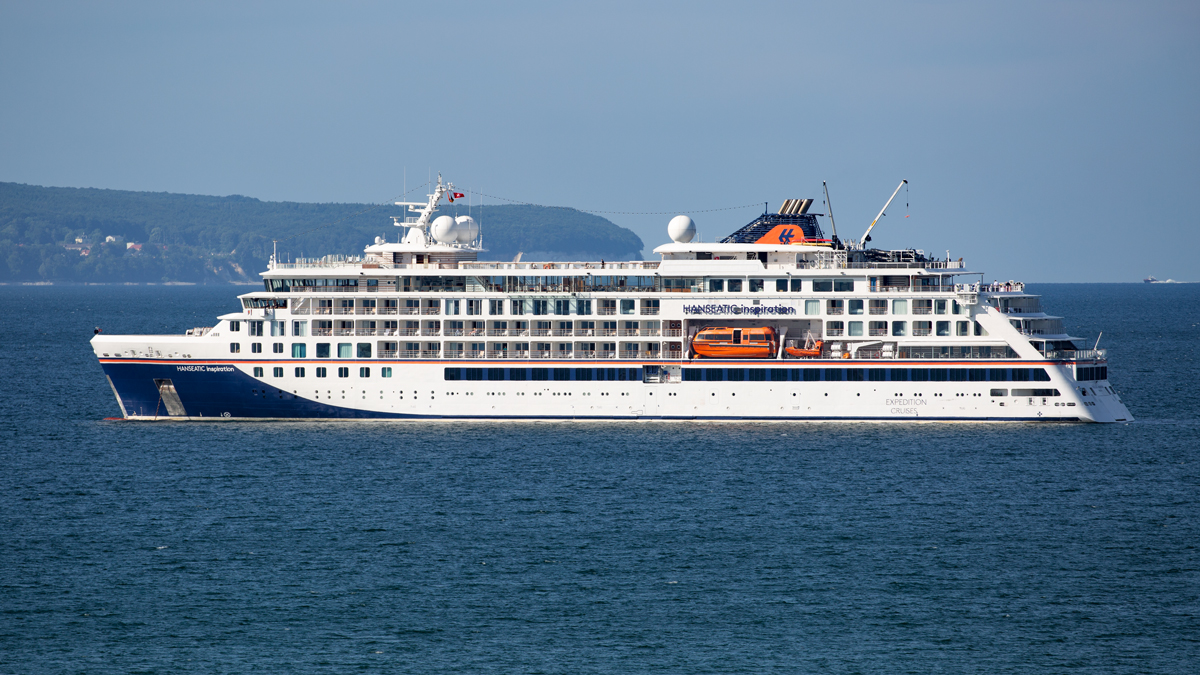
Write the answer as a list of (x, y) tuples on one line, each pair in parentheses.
[(1042, 141)]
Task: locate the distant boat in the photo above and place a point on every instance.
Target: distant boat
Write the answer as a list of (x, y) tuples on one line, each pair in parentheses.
[(1150, 280)]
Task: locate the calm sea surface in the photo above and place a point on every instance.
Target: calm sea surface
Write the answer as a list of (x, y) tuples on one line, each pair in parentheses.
[(613, 548)]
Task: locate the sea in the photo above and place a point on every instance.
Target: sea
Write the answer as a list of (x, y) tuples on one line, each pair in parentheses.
[(570, 547)]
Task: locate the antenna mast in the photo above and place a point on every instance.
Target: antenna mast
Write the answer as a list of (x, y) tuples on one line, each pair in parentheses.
[(829, 203)]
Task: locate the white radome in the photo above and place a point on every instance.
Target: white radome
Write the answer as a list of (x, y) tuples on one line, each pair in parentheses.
[(444, 230), (681, 229), (467, 229)]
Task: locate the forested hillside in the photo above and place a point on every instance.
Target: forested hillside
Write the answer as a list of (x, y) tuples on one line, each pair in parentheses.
[(91, 235)]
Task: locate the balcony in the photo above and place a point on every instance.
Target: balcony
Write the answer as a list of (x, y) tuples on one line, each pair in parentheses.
[(430, 354), (877, 332), (922, 310), (835, 332), (834, 311), (430, 311), (343, 331), (878, 311), (406, 310), (409, 354), (322, 310), (629, 332), (364, 310), (387, 353), (609, 332), (558, 332), (540, 332), (922, 332), (343, 310), (672, 332), (650, 310), (585, 332), (653, 332), (387, 310), (431, 332), (607, 311), (518, 332), (497, 353), (321, 332)]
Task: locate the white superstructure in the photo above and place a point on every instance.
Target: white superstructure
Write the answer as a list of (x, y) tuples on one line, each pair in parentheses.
[(420, 328)]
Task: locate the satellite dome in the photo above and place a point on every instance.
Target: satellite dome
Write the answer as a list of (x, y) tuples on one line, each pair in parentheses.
[(467, 229), (444, 229), (378, 240), (681, 229)]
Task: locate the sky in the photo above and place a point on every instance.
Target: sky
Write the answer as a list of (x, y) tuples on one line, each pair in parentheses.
[(1042, 141)]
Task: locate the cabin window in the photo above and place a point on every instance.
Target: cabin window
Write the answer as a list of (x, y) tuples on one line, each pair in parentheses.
[(453, 373), (877, 328), (781, 285), (1020, 374), (235, 348), (958, 374), (299, 328), (258, 372), (235, 326), (474, 307), (919, 374), (541, 307), (518, 307), (716, 285), (321, 372), (943, 329), (899, 307), (627, 306), (877, 374), (962, 328), (939, 306), (583, 307), (691, 374), (1040, 375), (854, 374), (756, 285), (779, 374), (999, 392), (256, 348), (364, 372), (474, 374), (255, 328), (343, 372), (453, 307), (899, 374), (714, 374), (812, 374), (835, 307), (756, 374), (300, 371), (812, 307), (938, 374), (277, 371), (922, 327), (822, 285), (998, 374), (278, 328), (977, 375), (496, 307), (562, 374), (735, 285), (562, 307), (833, 374), (855, 329), (735, 374), (899, 328), (364, 350), (854, 306), (385, 372), (979, 331), (518, 374), (843, 285), (796, 284), (298, 350), (583, 374), (277, 348), (322, 350), (540, 374), (835, 328), (345, 350)]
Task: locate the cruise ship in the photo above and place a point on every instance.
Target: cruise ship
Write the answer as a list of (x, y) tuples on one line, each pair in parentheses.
[(777, 321)]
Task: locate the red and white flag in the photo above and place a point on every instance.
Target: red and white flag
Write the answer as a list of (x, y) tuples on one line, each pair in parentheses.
[(456, 195)]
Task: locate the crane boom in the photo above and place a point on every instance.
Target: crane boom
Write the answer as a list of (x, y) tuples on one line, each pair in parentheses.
[(863, 242)]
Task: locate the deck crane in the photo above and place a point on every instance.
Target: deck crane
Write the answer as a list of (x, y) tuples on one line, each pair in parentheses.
[(867, 235)]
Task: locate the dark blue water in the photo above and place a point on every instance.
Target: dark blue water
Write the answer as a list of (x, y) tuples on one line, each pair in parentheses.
[(616, 548)]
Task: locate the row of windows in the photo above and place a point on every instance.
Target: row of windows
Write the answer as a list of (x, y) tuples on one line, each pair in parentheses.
[(345, 350), (324, 372), (866, 374), (545, 374), (1083, 373)]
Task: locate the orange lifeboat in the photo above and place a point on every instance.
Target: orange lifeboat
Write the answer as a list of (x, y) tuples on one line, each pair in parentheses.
[(810, 351), (736, 343)]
